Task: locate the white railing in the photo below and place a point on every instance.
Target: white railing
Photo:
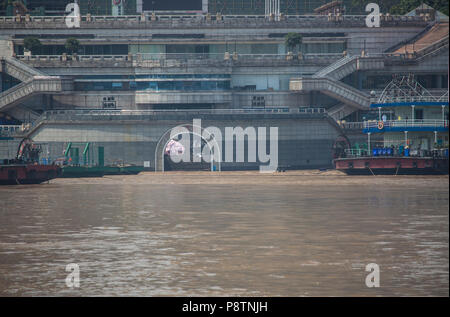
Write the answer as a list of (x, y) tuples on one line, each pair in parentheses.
[(429, 123)]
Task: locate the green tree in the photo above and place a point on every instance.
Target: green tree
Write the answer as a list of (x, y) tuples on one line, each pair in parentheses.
[(32, 44), (293, 41), (72, 45)]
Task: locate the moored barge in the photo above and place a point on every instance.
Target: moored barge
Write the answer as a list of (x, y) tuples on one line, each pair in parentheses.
[(25, 168), (414, 128)]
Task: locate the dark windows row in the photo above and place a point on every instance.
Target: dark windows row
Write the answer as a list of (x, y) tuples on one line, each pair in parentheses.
[(156, 76), (113, 49), (154, 86)]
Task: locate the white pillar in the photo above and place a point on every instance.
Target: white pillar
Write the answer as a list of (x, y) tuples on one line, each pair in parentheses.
[(443, 114), (368, 144), (412, 113), (406, 138), (435, 137)]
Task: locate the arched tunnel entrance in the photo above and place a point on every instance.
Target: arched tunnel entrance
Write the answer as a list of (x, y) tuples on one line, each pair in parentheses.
[(193, 156)]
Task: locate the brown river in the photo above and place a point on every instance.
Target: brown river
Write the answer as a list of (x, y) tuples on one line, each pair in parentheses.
[(299, 233)]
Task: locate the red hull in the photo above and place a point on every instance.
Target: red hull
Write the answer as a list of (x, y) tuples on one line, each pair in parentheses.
[(392, 165), (16, 174)]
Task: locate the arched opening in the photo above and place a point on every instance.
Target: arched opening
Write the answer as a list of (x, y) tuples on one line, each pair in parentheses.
[(188, 130)]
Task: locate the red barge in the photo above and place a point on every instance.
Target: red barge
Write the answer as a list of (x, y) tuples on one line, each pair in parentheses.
[(25, 168), (393, 165)]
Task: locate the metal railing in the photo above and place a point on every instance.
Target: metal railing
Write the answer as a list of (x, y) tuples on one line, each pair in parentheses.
[(394, 151), (424, 123), (429, 98), (202, 18), (126, 112), (176, 56)]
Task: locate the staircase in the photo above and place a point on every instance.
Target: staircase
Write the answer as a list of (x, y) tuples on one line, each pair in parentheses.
[(340, 111), (335, 89), (33, 82), (349, 64), (338, 69), (18, 69), (327, 81), (36, 85)]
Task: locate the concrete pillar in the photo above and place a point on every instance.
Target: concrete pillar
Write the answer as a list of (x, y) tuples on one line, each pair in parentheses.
[(435, 137), (406, 138), (412, 113), (368, 144), (443, 114)]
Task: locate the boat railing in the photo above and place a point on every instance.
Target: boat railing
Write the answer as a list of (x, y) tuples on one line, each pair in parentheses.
[(395, 152), (355, 152), (417, 123)]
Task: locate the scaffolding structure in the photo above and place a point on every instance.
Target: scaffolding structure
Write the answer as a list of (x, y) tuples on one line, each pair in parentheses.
[(405, 88)]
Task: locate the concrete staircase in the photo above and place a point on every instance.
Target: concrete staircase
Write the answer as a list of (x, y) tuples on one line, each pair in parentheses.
[(338, 69), (327, 81), (36, 85), (33, 82), (18, 69), (340, 111), (347, 65), (335, 89)]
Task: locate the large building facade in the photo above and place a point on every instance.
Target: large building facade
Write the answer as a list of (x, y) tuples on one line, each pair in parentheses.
[(129, 7), (134, 77)]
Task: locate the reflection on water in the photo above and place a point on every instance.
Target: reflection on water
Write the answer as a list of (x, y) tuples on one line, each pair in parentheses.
[(286, 234)]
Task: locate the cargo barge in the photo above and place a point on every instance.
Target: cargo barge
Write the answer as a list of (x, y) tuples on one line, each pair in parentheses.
[(25, 168), (393, 165), (415, 137)]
